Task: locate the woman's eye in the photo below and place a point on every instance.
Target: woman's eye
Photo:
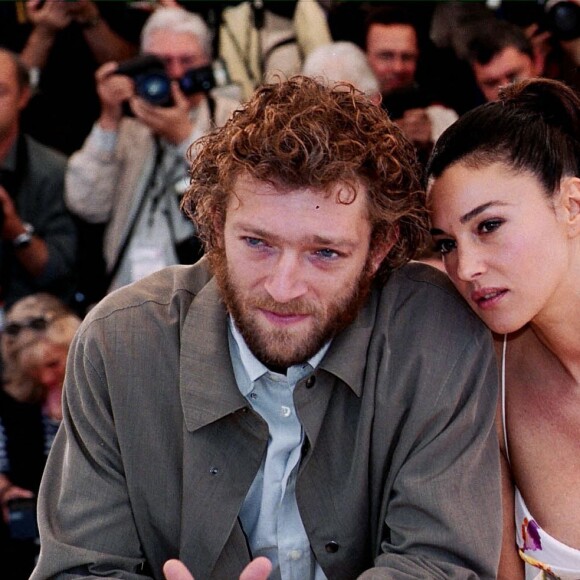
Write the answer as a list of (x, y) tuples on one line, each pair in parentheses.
[(444, 246), (489, 226)]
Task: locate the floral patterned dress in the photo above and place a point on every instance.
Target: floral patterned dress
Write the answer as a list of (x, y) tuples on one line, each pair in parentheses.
[(545, 557)]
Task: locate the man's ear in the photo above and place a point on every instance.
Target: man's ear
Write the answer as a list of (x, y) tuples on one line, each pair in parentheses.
[(570, 192), (25, 95), (381, 246)]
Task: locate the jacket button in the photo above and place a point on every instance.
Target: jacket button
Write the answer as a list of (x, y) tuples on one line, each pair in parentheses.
[(331, 547), (310, 381)]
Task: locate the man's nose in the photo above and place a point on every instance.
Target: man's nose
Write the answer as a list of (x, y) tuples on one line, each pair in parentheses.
[(286, 281), (398, 64), (174, 69)]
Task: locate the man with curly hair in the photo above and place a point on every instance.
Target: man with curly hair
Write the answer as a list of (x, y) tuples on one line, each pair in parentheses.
[(303, 403)]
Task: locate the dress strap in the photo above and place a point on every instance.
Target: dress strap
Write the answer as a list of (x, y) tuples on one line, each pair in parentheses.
[(503, 423)]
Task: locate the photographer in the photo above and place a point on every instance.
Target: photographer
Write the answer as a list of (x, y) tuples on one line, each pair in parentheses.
[(38, 237), (132, 169), (393, 51)]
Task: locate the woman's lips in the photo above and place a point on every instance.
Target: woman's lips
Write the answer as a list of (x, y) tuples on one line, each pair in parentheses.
[(488, 297)]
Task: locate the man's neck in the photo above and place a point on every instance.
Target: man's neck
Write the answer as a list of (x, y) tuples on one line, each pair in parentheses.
[(7, 141)]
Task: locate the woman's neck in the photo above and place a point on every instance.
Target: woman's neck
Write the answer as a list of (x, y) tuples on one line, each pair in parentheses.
[(52, 406)]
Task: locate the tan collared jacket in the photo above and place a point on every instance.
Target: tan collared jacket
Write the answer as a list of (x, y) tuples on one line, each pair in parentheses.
[(399, 476)]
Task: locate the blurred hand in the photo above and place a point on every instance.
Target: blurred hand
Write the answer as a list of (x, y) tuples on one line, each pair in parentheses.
[(416, 125), (51, 16), (12, 225), (82, 10), (113, 91), (171, 123), (13, 492), (258, 569)]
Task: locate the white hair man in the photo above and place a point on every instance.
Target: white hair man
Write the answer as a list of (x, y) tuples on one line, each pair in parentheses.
[(343, 61), (131, 171)]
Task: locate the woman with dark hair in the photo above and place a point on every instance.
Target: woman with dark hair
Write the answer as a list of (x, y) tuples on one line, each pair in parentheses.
[(504, 195)]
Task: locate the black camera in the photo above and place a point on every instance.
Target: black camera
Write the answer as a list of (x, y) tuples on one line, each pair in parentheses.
[(22, 519), (562, 18), (397, 102), (153, 84)]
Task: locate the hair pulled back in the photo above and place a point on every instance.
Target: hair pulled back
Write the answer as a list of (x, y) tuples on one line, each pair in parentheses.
[(534, 127)]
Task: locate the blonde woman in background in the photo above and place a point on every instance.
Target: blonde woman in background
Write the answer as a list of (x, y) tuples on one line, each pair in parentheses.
[(34, 344)]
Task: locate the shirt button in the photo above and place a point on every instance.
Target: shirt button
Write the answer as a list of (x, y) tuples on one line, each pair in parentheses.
[(253, 396), (331, 547), (295, 555), (285, 411), (310, 381)]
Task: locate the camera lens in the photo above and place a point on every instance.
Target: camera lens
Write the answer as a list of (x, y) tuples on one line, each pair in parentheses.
[(197, 80), (154, 88), (564, 20)]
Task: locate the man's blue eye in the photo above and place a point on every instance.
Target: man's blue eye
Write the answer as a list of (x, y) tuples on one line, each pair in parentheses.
[(327, 254)]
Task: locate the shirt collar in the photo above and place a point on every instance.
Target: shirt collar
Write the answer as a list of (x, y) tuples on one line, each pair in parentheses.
[(253, 367)]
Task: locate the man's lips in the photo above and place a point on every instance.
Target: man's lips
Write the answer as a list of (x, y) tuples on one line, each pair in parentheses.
[(488, 297), (283, 318)]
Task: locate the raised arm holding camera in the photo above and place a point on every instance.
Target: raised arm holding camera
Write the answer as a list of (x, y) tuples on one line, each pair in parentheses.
[(132, 169)]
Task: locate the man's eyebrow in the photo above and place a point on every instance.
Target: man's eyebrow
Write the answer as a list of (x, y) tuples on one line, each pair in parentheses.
[(316, 239)]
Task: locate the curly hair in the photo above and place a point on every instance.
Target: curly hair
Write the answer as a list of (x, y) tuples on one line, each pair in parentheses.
[(300, 133)]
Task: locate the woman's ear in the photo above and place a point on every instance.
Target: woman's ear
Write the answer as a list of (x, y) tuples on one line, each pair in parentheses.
[(570, 192)]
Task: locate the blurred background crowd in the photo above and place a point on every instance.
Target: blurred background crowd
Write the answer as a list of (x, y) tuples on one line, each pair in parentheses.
[(99, 103)]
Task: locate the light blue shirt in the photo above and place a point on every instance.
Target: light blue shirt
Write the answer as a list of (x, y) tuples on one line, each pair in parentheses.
[(269, 514)]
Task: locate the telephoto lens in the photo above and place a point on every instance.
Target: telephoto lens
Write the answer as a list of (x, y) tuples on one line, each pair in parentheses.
[(563, 19)]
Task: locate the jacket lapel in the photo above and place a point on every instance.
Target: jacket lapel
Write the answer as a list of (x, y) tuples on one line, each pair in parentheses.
[(224, 443)]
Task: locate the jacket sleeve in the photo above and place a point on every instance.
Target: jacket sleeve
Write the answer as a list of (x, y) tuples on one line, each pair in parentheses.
[(55, 226), (86, 524), (92, 175), (443, 518)]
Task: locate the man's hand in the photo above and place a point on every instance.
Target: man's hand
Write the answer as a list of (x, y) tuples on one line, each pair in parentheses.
[(51, 16), (171, 123), (83, 11), (258, 569), (113, 90), (12, 225)]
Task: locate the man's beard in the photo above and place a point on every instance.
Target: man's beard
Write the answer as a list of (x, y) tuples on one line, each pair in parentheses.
[(280, 348)]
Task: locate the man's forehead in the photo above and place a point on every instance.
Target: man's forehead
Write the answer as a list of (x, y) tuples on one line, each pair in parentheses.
[(173, 43), (395, 33), (344, 191)]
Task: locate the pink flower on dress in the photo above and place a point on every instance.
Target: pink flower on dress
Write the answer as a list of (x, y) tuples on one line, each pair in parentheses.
[(531, 535)]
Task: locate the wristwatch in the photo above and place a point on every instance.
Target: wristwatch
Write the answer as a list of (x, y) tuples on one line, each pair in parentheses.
[(22, 240)]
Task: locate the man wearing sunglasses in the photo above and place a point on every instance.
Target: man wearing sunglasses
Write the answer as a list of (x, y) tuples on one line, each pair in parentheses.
[(132, 170)]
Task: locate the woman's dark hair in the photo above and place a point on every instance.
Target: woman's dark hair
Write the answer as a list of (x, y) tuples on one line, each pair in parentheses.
[(534, 127)]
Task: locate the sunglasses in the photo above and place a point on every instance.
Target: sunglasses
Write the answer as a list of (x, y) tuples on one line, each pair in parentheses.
[(14, 328)]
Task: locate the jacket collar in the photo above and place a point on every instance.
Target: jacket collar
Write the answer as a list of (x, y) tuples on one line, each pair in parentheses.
[(207, 382)]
